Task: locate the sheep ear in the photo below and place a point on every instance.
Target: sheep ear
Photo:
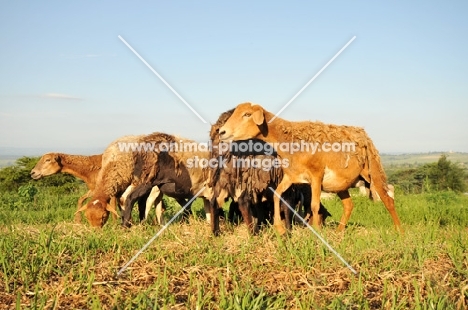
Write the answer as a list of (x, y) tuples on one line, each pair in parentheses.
[(258, 117), (84, 207), (112, 210)]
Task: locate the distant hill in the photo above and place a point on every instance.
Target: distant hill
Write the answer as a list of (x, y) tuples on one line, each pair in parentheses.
[(8, 155), (417, 159), (7, 160)]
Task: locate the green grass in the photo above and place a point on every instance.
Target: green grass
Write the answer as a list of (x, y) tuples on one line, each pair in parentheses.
[(47, 261)]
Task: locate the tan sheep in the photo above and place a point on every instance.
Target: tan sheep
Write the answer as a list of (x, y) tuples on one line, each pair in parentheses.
[(80, 166), (332, 171)]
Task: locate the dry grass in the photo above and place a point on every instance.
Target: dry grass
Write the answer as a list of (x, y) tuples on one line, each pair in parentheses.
[(188, 268)]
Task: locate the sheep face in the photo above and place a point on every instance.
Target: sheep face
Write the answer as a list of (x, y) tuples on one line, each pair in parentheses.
[(48, 164), (96, 213), (245, 123)]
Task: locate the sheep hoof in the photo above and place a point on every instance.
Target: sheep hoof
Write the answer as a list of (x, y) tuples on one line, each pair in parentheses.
[(126, 224), (280, 229)]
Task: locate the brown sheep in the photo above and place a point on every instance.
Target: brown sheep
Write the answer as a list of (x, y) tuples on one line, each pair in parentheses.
[(329, 171), (180, 183), (122, 168), (116, 175), (83, 167)]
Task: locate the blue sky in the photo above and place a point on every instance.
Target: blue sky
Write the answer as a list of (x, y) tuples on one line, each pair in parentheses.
[(68, 83)]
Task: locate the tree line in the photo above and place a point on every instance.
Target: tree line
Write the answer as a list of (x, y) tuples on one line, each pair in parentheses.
[(438, 176)]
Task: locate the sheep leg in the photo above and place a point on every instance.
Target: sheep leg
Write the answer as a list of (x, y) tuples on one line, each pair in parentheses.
[(80, 204), (154, 198), (139, 191), (280, 189), (206, 206), (234, 211), (306, 202), (245, 209), (187, 211), (300, 208), (214, 208), (289, 198), (316, 188), (389, 203), (323, 213), (123, 197), (160, 208), (262, 212), (142, 207), (348, 208)]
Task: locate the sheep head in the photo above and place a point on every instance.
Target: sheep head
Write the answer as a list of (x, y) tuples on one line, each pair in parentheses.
[(97, 212), (48, 164), (246, 122), (214, 131)]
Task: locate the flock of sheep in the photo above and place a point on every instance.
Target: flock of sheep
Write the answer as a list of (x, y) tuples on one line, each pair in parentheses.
[(122, 178)]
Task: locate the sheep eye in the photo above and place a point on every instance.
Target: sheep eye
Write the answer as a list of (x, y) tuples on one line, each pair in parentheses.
[(247, 114)]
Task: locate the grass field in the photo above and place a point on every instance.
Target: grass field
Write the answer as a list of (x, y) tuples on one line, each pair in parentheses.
[(48, 262)]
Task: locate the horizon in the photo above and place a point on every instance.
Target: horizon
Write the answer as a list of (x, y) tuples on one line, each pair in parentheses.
[(70, 81), (17, 152)]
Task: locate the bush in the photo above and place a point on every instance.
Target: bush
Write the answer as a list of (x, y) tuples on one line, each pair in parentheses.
[(27, 192), (15, 177)]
